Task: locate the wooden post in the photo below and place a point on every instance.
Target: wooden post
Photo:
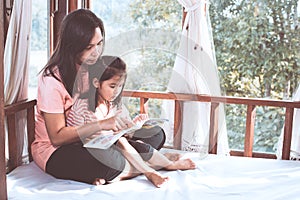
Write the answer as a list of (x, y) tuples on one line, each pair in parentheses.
[(249, 136), (58, 10), (213, 129), (14, 158), (144, 105), (3, 187), (177, 135), (30, 129), (72, 5), (288, 128)]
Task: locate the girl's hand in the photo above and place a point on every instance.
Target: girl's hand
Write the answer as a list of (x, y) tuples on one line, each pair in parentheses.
[(115, 123), (140, 118)]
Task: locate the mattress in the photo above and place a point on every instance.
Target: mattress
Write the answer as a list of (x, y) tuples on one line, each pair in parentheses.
[(216, 177)]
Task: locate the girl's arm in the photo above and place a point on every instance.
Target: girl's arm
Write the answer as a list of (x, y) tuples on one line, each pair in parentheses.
[(60, 134)]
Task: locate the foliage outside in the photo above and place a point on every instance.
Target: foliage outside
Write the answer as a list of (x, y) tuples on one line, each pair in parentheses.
[(257, 50)]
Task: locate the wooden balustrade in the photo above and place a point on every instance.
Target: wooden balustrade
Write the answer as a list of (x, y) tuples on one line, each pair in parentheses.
[(215, 101), (251, 103), (15, 159)]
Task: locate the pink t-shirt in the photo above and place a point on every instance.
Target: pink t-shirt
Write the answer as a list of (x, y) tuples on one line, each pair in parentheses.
[(52, 97)]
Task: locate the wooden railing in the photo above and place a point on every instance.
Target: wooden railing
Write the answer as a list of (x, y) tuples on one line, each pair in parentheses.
[(11, 111), (215, 101), (251, 103)]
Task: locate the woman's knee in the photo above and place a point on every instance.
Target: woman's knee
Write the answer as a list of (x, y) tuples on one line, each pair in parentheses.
[(110, 157)]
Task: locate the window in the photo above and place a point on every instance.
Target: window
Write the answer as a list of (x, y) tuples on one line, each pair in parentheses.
[(38, 44), (146, 35), (256, 55)]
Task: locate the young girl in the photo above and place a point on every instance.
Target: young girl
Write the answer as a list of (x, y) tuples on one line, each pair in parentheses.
[(103, 100)]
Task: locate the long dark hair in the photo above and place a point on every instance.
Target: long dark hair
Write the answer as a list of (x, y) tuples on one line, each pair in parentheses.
[(104, 69), (77, 30)]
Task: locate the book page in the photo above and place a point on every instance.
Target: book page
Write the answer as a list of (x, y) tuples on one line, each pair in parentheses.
[(104, 141)]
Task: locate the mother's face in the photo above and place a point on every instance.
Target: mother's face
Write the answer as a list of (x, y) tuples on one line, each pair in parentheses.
[(92, 52)]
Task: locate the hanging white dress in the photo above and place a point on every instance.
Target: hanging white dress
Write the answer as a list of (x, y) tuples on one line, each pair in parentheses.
[(295, 144), (16, 61), (195, 72)]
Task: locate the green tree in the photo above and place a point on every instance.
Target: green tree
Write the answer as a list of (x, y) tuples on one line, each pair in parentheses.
[(257, 50), (257, 47), (153, 67)]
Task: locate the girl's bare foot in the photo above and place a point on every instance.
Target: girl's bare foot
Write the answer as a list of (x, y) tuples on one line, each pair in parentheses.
[(157, 179), (184, 164), (99, 181), (172, 156)]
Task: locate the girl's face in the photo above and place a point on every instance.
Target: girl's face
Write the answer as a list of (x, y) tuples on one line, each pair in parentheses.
[(92, 52), (111, 88)]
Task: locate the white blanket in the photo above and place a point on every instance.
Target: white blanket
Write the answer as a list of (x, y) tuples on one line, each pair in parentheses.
[(216, 177)]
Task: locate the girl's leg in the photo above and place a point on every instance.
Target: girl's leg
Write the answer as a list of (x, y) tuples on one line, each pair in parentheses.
[(156, 137), (159, 161), (136, 160)]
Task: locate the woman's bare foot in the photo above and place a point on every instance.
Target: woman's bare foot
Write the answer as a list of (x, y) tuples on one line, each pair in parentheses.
[(184, 164), (173, 156), (156, 178), (99, 181)]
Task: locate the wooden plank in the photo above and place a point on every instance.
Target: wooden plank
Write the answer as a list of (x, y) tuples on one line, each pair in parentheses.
[(213, 128), (288, 128), (87, 4), (177, 135), (57, 13), (30, 130), (19, 106), (249, 136), (72, 5), (254, 154), (143, 105), (166, 96), (14, 158), (255, 101), (3, 186), (206, 98)]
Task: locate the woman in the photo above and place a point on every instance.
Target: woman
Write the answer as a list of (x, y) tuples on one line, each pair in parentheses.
[(81, 40)]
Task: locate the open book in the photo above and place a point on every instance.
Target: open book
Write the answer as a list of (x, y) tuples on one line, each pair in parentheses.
[(104, 141)]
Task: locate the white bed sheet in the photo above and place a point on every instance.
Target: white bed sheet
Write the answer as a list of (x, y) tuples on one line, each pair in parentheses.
[(216, 177)]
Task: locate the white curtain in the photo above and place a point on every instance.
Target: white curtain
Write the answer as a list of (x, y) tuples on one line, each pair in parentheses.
[(195, 72), (295, 145), (16, 59)]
